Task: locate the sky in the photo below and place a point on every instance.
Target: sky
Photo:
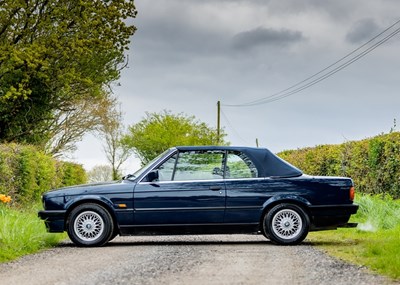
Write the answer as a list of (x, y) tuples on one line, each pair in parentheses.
[(189, 54)]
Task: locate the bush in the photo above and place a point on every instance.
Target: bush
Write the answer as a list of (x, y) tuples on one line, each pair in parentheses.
[(72, 174), (374, 164), (25, 173)]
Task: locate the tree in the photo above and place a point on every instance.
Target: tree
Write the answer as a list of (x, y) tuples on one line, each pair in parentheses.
[(111, 130), (54, 56), (100, 173), (159, 131), (70, 124)]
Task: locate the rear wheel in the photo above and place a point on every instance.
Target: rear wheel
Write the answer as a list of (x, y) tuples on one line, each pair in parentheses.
[(286, 224), (90, 225)]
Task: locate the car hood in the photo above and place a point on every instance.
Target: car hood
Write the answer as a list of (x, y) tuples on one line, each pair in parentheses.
[(92, 188)]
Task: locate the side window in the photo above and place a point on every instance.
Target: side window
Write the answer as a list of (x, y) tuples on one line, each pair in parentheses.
[(199, 165), (166, 169), (238, 165)]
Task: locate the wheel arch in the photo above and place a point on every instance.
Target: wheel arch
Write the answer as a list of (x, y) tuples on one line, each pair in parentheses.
[(289, 199), (105, 203)]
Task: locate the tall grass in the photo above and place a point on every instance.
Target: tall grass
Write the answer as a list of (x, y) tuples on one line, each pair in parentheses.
[(379, 212), (22, 232), (381, 216), (376, 241)]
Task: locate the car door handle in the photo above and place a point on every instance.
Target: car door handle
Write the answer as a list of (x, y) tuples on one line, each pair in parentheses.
[(215, 188)]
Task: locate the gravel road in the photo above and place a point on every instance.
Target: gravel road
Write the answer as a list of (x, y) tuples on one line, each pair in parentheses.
[(226, 259)]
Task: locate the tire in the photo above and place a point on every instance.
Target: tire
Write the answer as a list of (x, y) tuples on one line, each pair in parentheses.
[(286, 224), (90, 225), (114, 235)]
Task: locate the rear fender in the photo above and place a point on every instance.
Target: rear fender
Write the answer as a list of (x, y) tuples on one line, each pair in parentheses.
[(286, 198)]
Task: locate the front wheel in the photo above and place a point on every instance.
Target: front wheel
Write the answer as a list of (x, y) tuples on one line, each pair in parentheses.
[(90, 225), (286, 224)]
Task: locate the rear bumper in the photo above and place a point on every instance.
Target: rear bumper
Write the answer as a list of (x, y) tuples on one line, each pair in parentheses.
[(54, 220), (333, 210), (328, 217)]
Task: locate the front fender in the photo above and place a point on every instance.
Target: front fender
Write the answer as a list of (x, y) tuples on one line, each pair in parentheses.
[(71, 201)]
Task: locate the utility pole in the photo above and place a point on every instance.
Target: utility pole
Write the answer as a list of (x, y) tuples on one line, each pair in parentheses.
[(257, 142), (218, 121)]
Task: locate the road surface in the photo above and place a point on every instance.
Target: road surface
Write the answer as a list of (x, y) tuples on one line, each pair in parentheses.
[(225, 259)]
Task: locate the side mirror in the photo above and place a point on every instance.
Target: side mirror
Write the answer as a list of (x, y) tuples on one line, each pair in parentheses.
[(152, 176), (217, 171)]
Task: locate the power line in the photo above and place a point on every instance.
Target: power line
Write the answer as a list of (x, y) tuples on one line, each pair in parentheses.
[(330, 73), (233, 129), (326, 68), (324, 73)]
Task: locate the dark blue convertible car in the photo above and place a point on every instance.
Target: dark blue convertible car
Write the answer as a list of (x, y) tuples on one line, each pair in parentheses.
[(204, 190)]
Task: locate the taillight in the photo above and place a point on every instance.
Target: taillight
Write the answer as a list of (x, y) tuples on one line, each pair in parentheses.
[(352, 193)]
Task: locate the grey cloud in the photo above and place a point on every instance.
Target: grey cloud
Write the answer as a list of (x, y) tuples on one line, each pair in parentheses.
[(331, 8), (265, 37), (362, 31), (176, 36)]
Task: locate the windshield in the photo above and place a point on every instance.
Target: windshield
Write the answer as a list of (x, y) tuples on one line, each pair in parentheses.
[(147, 166)]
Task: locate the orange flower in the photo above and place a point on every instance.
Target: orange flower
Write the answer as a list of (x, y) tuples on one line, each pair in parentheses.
[(5, 199)]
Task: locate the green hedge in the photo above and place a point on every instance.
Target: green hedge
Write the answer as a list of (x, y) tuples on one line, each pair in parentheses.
[(25, 173), (373, 164)]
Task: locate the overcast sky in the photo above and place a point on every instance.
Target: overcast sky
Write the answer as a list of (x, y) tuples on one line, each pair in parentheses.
[(188, 54)]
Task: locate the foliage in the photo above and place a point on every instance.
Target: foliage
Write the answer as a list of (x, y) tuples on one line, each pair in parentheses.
[(375, 243), (25, 173), (55, 55), (35, 172), (72, 174), (100, 173), (373, 164), (22, 232), (159, 131)]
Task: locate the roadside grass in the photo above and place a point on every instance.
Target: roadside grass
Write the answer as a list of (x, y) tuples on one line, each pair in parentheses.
[(22, 232), (375, 243)]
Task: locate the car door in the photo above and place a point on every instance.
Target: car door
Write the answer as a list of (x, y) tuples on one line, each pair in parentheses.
[(188, 189), (246, 192)]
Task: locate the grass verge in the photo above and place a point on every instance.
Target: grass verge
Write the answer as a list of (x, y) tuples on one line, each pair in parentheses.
[(22, 232), (376, 241)]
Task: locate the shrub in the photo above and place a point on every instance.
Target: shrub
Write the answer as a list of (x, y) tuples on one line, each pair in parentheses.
[(25, 173), (72, 174)]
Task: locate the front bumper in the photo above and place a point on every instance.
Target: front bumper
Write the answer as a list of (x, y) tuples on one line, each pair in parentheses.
[(54, 220)]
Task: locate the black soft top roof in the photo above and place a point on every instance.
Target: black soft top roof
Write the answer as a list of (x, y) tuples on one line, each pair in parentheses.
[(267, 163)]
